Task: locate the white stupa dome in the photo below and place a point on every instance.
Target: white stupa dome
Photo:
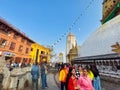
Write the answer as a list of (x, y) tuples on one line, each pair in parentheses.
[(100, 41)]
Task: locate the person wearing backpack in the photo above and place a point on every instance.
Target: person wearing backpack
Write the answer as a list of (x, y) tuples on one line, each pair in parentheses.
[(35, 72)]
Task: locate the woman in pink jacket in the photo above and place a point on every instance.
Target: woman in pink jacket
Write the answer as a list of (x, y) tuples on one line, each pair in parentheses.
[(84, 81)]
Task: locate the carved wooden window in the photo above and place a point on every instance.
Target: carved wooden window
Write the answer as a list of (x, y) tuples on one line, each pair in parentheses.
[(114, 1), (15, 36), (28, 43), (4, 31), (106, 6), (31, 49), (27, 50), (23, 40), (3, 42), (12, 46), (20, 48), (9, 33)]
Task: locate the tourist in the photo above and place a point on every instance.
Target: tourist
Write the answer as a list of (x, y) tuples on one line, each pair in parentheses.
[(23, 65), (12, 64), (90, 73), (19, 64), (8, 65), (35, 72), (46, 72), (71, 81), (96, 80), (79, 71), (84, 81), (62, 76), (43, 75)]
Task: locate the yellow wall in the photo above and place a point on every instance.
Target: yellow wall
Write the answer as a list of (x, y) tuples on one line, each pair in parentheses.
[(36, 46)]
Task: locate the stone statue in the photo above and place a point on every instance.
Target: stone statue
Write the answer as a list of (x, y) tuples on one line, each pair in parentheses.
[(6, 73)]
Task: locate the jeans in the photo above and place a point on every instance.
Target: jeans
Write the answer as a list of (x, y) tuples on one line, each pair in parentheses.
[(63, 86), (44, 81), (34, 81)]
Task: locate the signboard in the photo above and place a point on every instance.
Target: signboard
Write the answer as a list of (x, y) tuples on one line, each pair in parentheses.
[(9, 54)]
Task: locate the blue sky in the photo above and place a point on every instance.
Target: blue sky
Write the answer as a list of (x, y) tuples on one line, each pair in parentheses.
[(45, 21)]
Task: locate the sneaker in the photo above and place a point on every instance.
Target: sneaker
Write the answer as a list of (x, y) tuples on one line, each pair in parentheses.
[(46, 87)]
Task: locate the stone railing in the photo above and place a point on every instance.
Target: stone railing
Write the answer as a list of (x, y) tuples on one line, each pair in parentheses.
[(18, 78)]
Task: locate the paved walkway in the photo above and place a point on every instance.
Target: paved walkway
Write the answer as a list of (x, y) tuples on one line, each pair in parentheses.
[(51, 83)]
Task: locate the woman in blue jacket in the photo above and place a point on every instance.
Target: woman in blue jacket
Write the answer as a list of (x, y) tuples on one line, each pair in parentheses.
[(96, 80)]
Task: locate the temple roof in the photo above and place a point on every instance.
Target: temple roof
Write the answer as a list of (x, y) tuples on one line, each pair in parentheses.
[(74, 50), (70, 34), (2, 21)]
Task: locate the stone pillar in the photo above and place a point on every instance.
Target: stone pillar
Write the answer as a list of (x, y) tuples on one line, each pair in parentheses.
[(13, 83), (29, 78), (21, 83), (6, 79)]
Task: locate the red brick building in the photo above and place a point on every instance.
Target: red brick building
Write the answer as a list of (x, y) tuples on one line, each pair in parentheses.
[(13, 43)]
